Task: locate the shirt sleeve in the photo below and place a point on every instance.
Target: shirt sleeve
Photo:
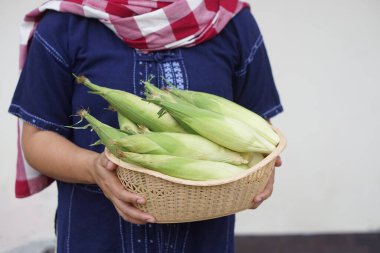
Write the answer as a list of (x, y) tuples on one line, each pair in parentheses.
[(44, 90), (254, 86)]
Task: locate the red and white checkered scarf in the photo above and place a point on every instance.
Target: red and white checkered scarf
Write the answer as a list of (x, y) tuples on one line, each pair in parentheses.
[(148, 25)]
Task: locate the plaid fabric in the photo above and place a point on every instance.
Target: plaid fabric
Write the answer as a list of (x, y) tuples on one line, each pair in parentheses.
[(143, 24)]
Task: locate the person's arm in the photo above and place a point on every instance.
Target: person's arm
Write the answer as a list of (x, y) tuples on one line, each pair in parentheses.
[(58, 158), (267, 192)]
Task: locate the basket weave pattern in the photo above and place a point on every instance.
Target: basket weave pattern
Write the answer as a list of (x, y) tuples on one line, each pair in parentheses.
[(173, 200)]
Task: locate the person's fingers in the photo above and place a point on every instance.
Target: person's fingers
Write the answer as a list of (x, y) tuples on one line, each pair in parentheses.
[(128, 197), (278, 162), (106, 163), (103, 159), (256, 205), (111, 166), (128, 218), (267, 192), (125, 201), (122, 199), (119, 192), (132, 213)]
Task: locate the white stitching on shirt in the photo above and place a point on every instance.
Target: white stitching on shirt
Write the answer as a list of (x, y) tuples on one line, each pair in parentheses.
[(24, 120), (146, 78), (146, 239), (23, 111), (178, 75), (50, 48), (185, 239), (167, 73), (131, 226), (161, 238), (254, 48), (121, 234), (168, 242), (134, 72), (69, 225), (161, 73), (176, 238), (185, 87), (158, 239), (271, 110), (228, 233)]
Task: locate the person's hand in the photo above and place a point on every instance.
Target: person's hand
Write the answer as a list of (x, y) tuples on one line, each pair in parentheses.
[(105, 176), (267, 192)]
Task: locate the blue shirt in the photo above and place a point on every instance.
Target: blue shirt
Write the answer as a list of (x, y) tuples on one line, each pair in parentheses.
[(233, 65)]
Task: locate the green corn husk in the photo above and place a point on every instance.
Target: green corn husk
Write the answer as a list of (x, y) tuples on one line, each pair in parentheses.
[(105, 132), (228, 108), (129, 127), (181, 167), (151, 92), (179, 144), (253, 158), (134, 108), (223, 130)]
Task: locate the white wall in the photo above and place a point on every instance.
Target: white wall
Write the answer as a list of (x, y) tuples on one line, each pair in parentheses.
[(326, 61), (22, 220)]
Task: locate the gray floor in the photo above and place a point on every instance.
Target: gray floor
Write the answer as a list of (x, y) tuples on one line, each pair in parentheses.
[(34, 247), (327, 243)]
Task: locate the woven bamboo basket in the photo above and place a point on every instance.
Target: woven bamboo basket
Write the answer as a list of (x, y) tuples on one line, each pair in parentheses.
[(174, 200)]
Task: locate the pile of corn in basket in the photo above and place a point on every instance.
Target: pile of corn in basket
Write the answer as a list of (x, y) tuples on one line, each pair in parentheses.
[(191, 155)]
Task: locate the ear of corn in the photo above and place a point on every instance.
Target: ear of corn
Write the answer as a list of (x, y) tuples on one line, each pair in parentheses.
[(195, 135), (133, 107), (179, 144), (228, 108), (181, 167), (126, 124), (223, 130), (129, 127), (140, 143), (253, 158)]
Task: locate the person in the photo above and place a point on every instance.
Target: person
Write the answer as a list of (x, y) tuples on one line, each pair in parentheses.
[(209, 46)]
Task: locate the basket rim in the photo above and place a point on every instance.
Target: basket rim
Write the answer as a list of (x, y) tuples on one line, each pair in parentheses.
[(269, 158)]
